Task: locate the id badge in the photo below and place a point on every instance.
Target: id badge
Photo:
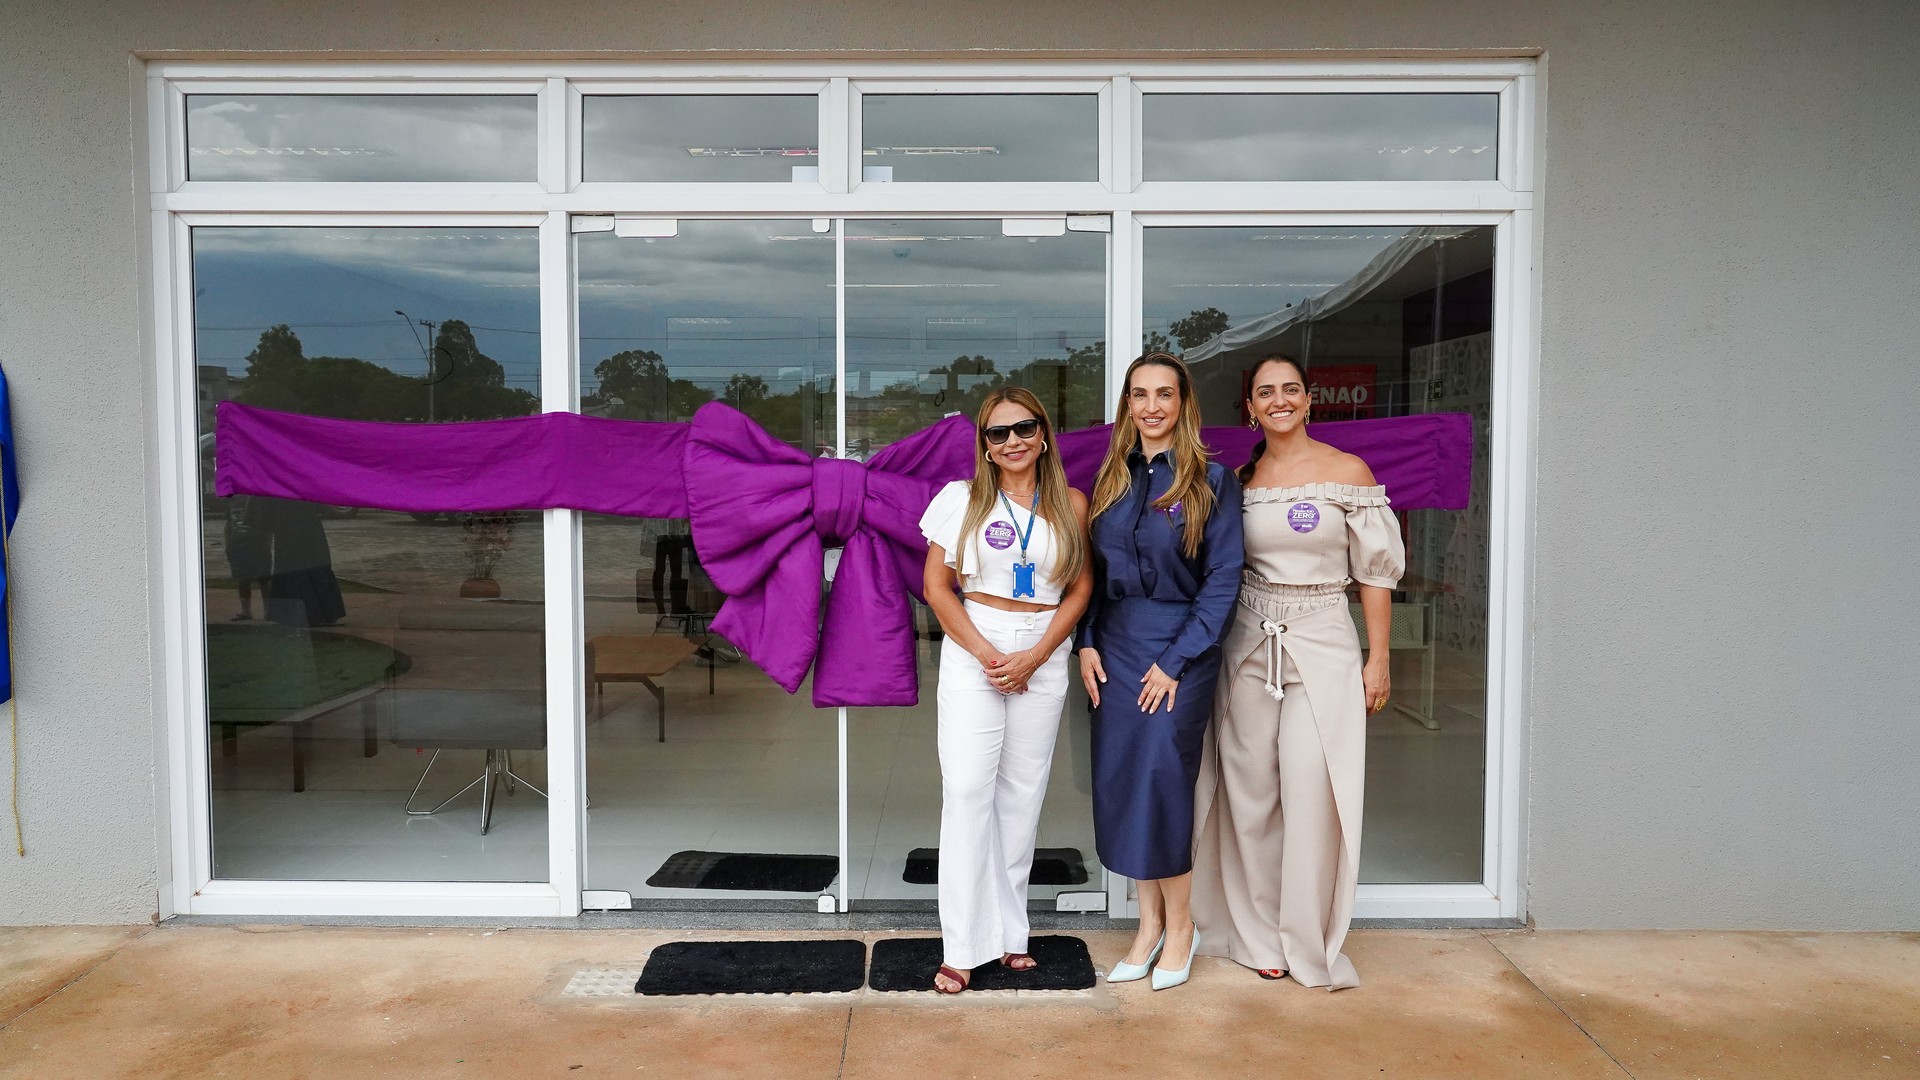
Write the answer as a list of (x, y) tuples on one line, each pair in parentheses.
[(1023, 580)]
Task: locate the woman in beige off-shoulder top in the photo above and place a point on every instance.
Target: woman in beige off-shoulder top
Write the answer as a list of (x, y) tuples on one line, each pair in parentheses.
[(1277, 850)]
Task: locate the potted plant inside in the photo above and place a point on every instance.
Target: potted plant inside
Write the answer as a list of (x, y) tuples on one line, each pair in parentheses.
[(487, 536)]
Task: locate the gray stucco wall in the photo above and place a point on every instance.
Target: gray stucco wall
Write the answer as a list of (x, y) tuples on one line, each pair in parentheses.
[(1719, 726)]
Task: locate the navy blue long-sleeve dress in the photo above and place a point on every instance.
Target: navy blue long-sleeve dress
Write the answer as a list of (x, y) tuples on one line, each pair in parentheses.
[(1154, 605)]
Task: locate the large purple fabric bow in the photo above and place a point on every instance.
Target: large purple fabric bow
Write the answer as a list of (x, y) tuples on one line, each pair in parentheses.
[(762, 515)]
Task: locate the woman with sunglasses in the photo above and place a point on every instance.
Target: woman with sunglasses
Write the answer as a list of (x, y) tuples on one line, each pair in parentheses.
[(1278, 854), (1166, 556), (1006, 575)]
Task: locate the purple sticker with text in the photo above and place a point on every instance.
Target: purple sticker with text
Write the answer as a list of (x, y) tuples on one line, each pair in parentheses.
[(1303, 516), (1000, 535)]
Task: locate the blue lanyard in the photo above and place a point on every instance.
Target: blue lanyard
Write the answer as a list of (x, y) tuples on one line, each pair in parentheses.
[(1033, 514)]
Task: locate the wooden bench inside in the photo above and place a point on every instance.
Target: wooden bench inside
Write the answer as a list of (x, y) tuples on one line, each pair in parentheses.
[(638, 658)]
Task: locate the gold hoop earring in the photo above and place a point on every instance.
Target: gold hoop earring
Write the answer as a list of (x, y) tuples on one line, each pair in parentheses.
[(1252, 421)]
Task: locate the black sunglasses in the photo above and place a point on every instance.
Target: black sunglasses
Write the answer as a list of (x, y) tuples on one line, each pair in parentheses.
[(1026, 429)]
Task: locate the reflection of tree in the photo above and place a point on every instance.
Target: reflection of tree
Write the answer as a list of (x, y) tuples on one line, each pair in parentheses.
[(638, 379), (1199, 326), (276, 356), (636, 385), (744, 391), (684, 398), (469, 385), (472, 385), (1071, 387), (965, 365), (457, 358)]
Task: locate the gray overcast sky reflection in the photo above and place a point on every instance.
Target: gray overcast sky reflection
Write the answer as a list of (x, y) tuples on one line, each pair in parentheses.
[(361, 137), (338, 288)]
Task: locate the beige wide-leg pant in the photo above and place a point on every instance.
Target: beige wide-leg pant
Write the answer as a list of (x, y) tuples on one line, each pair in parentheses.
[(996, 752), (1277, 850)]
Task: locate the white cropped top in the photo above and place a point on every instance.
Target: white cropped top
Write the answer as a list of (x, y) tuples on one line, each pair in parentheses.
[(995, 546)]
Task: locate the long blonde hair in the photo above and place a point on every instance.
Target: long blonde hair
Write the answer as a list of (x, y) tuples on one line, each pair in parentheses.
[(1056, 506), (1189, 485)]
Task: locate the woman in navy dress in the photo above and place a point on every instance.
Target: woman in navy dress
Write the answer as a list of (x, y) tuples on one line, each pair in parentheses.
[(1167, 557)]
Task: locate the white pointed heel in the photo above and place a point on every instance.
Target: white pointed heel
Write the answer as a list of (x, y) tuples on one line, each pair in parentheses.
[(1125, 972), (1167, 980)]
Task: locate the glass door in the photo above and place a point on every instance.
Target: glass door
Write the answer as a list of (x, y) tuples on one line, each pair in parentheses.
[(706, 783), (701, 772), (940, 312)]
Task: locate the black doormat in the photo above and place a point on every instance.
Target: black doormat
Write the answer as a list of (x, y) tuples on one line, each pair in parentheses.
[(753, 967), (759, 873), (1051, 866), (909, 964)]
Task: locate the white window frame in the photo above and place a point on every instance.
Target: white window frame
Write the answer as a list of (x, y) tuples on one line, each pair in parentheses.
[(176, 205)]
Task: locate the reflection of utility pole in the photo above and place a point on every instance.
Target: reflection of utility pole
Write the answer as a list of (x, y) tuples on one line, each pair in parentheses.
[(426, 354)]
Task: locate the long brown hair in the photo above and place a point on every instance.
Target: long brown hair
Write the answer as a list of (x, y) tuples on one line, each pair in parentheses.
[(1259, 448), (1189, 485), (1056, 506)]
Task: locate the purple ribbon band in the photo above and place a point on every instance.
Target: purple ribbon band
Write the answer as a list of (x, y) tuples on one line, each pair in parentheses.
[(762, 513)]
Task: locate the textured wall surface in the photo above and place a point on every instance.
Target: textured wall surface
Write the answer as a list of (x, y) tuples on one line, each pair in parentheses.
[(1719, 732)]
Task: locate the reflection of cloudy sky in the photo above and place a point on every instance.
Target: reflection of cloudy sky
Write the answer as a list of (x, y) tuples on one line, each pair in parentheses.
[(1320, 136), (338, 288), (757, 296), (360, 137), (646, 137), (1248, 272), (922, 137), (1035, 136), (744, 296)]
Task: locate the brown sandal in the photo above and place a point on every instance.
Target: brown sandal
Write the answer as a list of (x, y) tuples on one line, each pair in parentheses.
[(952, 974), (1009, 961)]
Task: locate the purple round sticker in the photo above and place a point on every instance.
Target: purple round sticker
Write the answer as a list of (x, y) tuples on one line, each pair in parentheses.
[(1303, 516), (1000, 535)]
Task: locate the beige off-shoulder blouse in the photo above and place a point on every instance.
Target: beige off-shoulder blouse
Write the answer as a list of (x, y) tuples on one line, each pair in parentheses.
[(1323, 534)]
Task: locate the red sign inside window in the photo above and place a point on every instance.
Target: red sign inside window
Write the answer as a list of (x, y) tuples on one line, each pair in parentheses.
[(1342, 391)]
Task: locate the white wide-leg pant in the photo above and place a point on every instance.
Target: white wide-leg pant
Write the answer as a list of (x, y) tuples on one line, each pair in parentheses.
[(995, 754)]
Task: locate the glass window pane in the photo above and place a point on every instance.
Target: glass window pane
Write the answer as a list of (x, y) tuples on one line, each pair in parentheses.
[(712, 137), (690, 747), (350, 650), (1389, 321), (981, 137), (361, 137), (1320, 136)]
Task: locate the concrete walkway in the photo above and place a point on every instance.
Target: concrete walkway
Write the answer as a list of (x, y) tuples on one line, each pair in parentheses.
[(350, 1002)]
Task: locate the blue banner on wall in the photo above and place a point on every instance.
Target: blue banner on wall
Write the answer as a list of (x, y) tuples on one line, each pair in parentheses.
[(10, 504)]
